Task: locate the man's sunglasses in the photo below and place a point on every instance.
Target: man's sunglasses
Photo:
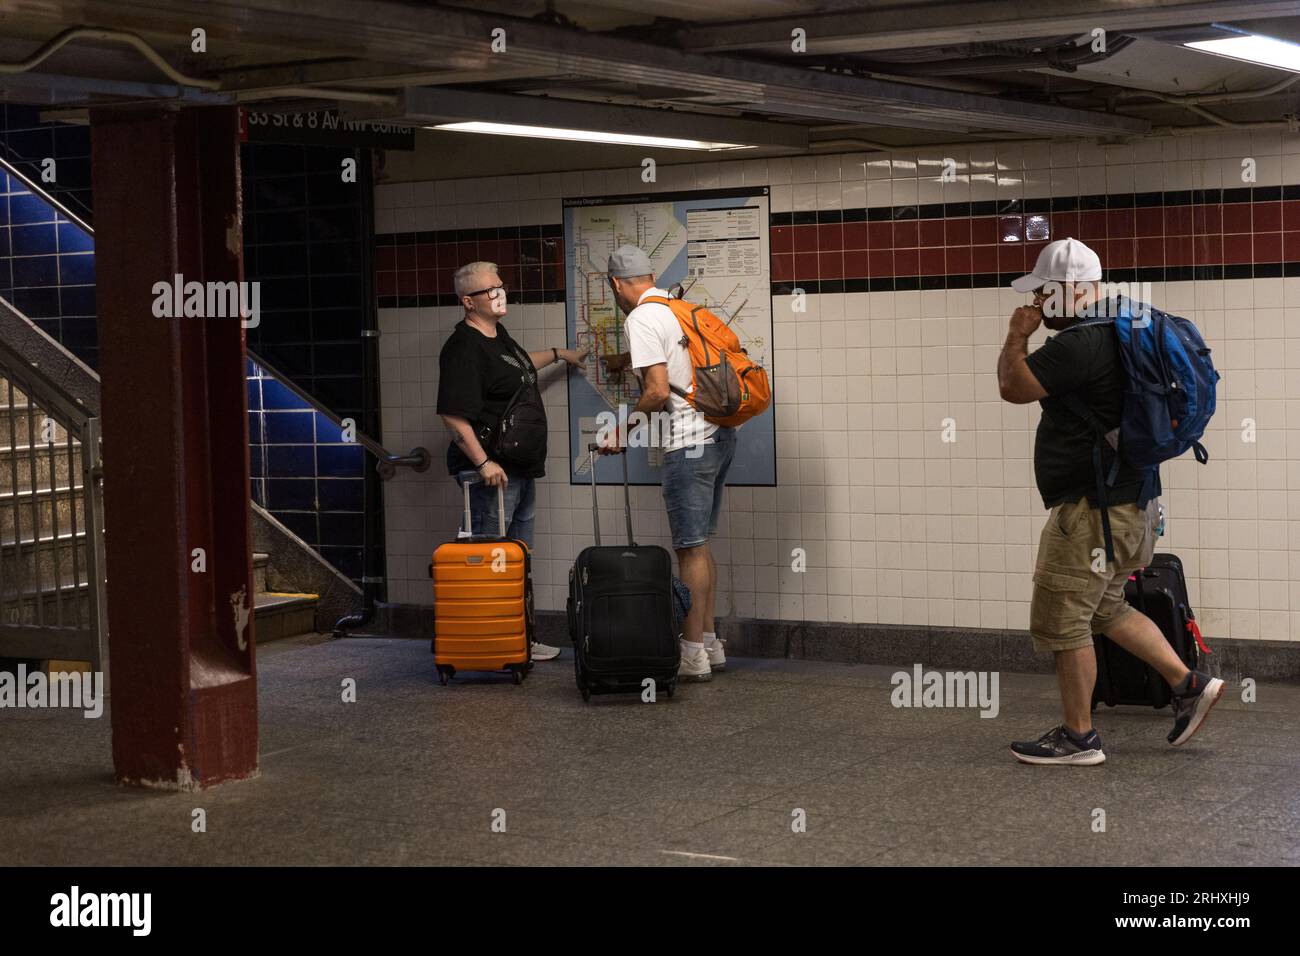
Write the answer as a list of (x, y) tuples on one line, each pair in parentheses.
[(494, 288)]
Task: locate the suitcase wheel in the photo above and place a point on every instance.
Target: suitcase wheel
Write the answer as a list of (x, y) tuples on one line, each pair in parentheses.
[(671, 686), (518, 673), (586, 692), (445, 673)]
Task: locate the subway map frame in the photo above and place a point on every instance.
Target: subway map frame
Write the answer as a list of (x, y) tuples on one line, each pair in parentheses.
[(716, 243)]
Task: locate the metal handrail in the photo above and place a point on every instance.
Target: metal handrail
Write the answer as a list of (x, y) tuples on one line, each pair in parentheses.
[(36, 189), (417, 459)]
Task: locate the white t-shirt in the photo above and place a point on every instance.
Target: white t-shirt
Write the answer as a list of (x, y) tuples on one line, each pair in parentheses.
[(654, 336)]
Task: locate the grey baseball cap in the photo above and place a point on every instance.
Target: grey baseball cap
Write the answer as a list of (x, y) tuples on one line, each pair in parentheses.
[(629, 261)]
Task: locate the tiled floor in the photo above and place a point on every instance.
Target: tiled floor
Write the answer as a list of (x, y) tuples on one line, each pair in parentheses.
[(412, 774)]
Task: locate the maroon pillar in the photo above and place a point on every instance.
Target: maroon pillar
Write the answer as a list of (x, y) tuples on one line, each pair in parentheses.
[(175, 427)]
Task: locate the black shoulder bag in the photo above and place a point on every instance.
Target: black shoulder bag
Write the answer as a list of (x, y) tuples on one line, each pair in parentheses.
[(519, 436)]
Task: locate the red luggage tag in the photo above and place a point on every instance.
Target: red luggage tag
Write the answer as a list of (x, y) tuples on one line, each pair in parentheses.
[(1196, 633)]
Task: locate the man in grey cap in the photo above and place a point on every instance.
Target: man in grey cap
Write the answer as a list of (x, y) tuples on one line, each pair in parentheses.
[(1080, 371), (697, 453)]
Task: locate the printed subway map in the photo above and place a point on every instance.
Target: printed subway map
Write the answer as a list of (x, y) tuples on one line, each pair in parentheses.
[(716, 248)]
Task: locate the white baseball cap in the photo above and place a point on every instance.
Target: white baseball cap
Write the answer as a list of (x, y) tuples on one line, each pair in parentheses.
[(1065, 260)]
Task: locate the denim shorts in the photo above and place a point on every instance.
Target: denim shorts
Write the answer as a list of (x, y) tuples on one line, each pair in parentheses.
[(693, 486)]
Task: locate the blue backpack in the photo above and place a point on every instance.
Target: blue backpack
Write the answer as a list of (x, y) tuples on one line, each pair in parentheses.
[(1169, 398)]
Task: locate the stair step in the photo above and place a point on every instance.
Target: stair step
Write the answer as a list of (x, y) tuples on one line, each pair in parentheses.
[(23, 514), (278, 615), (28, 567), (7, 541), (21, 610), (60, 446), (18, 465), (18, 425), (43, 491)]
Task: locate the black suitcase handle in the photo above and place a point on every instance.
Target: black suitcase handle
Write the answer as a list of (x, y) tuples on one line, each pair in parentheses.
[(595, 506)]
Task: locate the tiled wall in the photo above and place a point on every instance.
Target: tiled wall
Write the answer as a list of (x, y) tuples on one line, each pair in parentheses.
[(900, 527), (27, 142), (415, 268), (303, 472), (1154, 236), (47, 268), (47, 264), (306, 243)]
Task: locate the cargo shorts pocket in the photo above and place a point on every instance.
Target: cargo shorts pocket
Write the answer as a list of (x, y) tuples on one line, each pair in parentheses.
[(1066, 518), (1061, 609)]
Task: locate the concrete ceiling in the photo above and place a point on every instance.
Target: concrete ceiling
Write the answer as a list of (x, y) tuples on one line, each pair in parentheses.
[(893, 73)]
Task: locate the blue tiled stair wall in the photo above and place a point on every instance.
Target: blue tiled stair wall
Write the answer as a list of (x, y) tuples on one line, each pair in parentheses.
[(301, 469)]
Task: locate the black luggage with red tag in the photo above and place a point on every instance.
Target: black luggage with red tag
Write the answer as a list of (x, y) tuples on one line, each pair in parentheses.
[(1160, 592)]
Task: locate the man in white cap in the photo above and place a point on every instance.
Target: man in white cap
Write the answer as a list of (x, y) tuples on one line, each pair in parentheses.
[(1081, 370), (697, 453)]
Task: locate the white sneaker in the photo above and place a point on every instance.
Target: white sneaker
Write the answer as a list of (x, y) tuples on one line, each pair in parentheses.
[(544, 652), (694, 667), (717, 656)]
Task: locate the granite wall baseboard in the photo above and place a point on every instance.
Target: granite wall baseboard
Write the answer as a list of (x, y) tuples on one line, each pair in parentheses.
[(951, 648)]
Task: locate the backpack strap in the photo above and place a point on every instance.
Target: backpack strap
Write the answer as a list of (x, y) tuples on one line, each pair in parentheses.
[(661, 300), (1111, 437), (1108, 435)]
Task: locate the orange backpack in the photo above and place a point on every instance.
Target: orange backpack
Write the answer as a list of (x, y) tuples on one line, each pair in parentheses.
[(729, 387)]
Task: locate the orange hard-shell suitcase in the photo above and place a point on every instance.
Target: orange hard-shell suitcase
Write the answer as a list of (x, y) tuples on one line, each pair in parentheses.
[(483, 602)]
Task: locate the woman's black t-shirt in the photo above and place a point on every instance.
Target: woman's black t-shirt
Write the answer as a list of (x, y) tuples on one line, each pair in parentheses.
[(477, 377)]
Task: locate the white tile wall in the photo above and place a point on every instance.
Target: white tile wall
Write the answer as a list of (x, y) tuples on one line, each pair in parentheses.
[(898, 526)]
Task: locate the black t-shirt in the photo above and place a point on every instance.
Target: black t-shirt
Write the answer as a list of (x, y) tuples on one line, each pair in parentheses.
[(1084, 361), (477, 377)]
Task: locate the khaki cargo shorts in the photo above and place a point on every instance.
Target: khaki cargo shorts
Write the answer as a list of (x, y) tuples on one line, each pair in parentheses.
[(1072, 602)]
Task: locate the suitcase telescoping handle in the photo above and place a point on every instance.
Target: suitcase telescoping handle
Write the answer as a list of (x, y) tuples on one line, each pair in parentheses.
[(627, 496), (501, 507)]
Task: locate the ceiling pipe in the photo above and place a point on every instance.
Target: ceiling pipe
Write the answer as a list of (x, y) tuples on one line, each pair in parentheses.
[(938, 83), (855, 143), (1199, 99), (1066, 59), (313, 93), (852, 143), (55, 44), (1192, 103), (112, 36), (1234, 124), (1194, 130)]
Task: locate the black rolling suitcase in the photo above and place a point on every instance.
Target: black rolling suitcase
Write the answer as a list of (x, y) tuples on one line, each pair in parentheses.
[(1160, 592), (621, 612)]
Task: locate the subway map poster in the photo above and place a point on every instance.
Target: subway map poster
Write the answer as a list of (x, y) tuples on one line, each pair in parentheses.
[(714, 244)]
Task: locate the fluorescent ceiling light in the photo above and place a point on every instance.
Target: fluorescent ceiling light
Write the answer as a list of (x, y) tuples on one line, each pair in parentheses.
[(587, 136), (1252, 48)]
